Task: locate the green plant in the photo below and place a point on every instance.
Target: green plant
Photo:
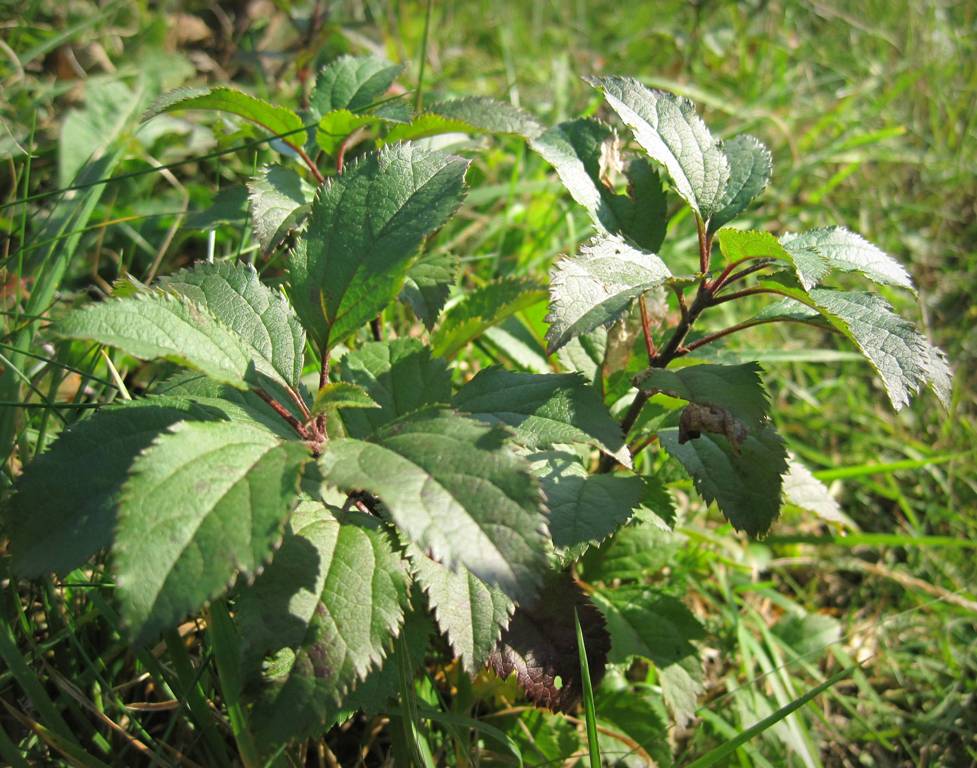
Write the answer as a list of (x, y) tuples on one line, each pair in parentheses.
[(339, 512)]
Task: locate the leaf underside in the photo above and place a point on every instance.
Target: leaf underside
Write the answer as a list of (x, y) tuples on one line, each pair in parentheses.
[(540, 645), (594, 287)]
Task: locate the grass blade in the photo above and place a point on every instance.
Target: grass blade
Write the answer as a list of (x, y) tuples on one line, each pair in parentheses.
[(724, 750), (590, 710)]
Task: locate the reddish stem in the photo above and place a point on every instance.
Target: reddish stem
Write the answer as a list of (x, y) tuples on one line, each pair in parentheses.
[(724, 277), (705, 245), (646, 327), (749, 292), (280, 409), (310, 163), (742, 327)]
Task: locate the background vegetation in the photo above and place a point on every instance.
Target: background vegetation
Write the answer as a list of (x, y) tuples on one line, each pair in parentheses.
[(870, 110)]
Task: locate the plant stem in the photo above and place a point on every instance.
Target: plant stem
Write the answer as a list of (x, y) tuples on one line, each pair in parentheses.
[(316, 173), (749, 292), (705, 245), (646, 328), (283, 412), (724, 276), (320, 420), (744, 273)]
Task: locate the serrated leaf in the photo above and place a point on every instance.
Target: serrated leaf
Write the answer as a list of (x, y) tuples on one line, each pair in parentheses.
[(428, 284), (669, 130), (737, 389), (260, 316), (596, 286), (366, 225), (585, 353), (750, 166), (456, 490), (650, 625), (352, 83), (328, 607), (804, 490), (575, 149), (817, 252), (204, 502), (584, 509), (745, 485), (400, 376), (544, 409), (470, 613), (275, 194), (898, 352), (230, 403), (156, 325), (56, 525), (277, 120), (336, 126), (639, 714), (540, 645), (682, 685), (481, 309), (342, 394), (633, 554), (474, 114)]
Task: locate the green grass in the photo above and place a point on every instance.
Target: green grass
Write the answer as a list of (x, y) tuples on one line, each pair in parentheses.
[(871, 112)]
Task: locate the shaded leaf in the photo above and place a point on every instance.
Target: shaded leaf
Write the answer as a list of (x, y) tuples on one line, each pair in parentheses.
[(735, 388), (544, 409), (594, 287), (750, 166), (639, 714), (669, 130), (323, 614), (454, 487), (57, 526), (400, 376), (204, 502), (584, 509), (746, 484), (428, 284), (540, 645), (366, 225), (481, 309), (275, 194), (635, 553), (229, 206)]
